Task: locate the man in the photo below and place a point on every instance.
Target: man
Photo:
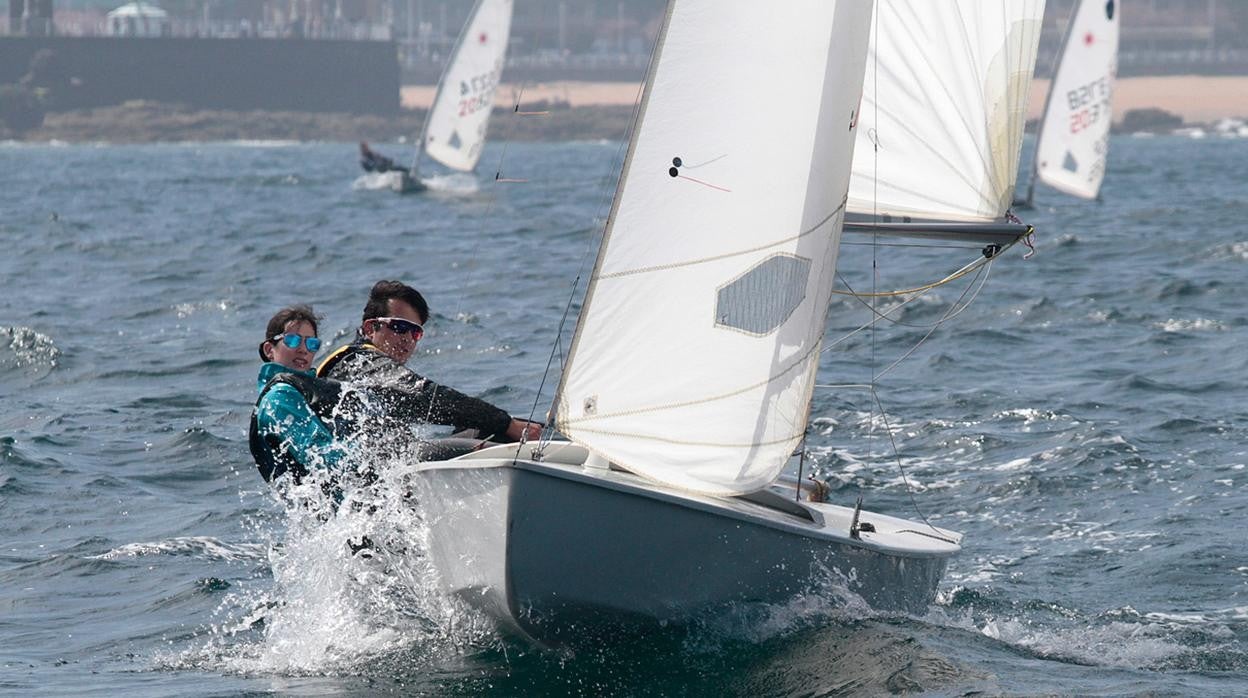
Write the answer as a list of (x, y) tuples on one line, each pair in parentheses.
[(393, 323), (372, 161)]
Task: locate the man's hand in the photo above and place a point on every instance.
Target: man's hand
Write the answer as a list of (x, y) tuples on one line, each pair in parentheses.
[(523, 429)]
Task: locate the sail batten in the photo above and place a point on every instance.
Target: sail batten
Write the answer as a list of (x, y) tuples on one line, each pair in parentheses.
[(694, 357)]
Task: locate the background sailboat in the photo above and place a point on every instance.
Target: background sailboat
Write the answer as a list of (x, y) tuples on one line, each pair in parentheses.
[(689, 381), (455, 127), (1072, 143)]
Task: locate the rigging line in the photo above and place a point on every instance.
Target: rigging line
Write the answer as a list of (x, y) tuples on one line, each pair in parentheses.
[(515, 110), (555, 348), (797, 363), (947, 316), (727, 255), (884, 315), (476, 269), (875, 190), (914, 244), (967, 269), (606, 196), (888, 428)]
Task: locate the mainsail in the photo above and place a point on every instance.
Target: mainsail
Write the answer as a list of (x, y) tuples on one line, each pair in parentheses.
[(695, 354), (1074, 134), (943, 109), (460, 115)]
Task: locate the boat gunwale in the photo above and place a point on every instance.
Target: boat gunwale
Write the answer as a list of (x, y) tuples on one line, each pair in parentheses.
[(735, 508)]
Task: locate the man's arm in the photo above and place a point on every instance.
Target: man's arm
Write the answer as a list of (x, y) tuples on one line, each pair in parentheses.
[(407, 396)]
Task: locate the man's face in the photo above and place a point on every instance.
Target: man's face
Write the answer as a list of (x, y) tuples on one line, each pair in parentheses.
[(381, 332)]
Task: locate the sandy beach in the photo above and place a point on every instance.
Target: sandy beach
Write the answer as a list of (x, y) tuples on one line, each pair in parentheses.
[(1195, 98), (587, 110)]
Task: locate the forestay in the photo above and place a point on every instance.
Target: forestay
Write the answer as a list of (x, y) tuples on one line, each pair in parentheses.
[(456, 126), (695, 355), (1074, 136), (945, 100)]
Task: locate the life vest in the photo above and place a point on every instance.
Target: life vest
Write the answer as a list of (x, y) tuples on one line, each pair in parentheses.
[(328, 363), (322, 396)]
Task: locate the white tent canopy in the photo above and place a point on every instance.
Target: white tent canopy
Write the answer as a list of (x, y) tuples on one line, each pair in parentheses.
[(138, 19)]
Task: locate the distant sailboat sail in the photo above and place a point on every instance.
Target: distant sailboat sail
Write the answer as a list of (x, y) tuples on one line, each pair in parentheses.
[(943, 109), (455, 128), (1073, 141), (695, 355)]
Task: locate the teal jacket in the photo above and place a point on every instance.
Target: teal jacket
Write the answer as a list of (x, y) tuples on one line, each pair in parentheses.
[(282, 411)]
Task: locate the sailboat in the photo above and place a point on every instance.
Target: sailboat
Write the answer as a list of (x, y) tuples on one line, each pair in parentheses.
[(455, 126), (689, 380), (1072, 143)]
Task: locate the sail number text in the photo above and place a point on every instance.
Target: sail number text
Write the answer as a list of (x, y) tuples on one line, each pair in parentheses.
[(1088, 103), (477, 93)]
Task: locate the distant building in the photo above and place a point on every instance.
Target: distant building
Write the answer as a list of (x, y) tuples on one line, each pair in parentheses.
[(1161, 37), (592, 39), (138, 19), (31, 18)]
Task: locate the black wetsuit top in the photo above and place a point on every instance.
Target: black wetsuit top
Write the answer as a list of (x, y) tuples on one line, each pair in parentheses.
[(410, 398), (375, 162)]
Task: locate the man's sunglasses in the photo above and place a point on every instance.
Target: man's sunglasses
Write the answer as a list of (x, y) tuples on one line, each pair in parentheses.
[(398, 325), (292, 341)]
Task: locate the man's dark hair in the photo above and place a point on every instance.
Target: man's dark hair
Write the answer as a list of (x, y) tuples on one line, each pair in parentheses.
[(384, 291), (285, 316)]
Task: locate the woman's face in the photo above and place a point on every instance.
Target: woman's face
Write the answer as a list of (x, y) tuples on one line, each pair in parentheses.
[(298, 358)]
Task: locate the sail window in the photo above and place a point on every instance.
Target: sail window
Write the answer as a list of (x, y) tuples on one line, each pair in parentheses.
[(762, 298)]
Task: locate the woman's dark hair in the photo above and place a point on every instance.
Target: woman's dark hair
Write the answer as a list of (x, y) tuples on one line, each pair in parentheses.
[(285, 316), (383, 291)]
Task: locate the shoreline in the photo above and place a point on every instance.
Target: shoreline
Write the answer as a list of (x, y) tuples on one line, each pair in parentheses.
[(559, 111), (1197, 99)]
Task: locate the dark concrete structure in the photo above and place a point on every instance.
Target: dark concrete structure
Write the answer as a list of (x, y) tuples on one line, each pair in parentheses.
[(236, 74)]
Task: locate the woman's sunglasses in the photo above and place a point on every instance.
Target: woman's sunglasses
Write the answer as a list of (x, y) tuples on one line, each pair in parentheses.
[(398, 325), (292, 341)]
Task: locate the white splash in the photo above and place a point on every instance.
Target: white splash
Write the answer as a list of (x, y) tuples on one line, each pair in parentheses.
[(1196, 325), (350, 584), (458, 183), (196, 546)]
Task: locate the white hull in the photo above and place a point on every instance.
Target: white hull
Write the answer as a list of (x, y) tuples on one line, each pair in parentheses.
[(392, 180), (561, 553)]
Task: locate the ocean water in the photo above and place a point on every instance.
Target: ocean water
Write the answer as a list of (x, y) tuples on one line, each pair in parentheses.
[(1084, 422)]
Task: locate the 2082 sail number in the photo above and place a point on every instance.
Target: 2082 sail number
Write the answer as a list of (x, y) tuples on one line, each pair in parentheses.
[(477, 93)]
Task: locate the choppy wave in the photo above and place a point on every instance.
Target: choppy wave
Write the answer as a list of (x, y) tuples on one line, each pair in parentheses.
[(203, 547), (27, 350)]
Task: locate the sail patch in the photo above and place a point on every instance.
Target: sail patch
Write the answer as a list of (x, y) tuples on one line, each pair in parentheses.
[(762, 298)]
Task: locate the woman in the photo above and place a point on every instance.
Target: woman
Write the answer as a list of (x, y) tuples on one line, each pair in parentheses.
[(290, 425)]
